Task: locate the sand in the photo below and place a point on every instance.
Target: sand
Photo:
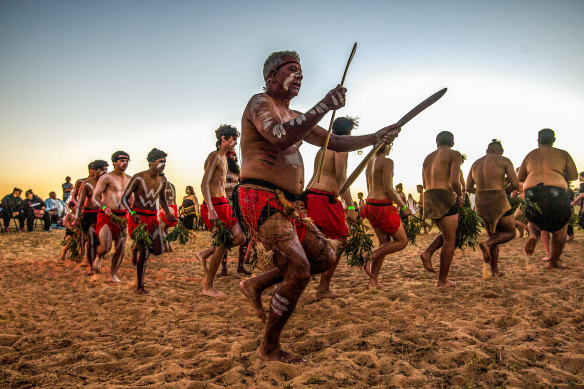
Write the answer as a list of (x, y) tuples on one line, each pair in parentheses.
[(62, 328)]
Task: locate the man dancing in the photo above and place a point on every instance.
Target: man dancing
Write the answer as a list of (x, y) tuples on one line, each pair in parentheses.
[(216, 206), (322, 205), (545, 172), (382, 214), (87, 210), (271, 136), (147, 187), (493, 174), (107, 196), (441, 177)]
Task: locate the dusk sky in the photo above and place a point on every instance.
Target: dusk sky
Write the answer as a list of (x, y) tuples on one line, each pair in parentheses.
[(80, 80)]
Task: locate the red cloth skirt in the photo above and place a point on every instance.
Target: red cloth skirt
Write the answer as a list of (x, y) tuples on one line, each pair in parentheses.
[(329, 217), (223, 210), (257, 205), (146, 216), (103, 220), (382, 215), (162, 215)]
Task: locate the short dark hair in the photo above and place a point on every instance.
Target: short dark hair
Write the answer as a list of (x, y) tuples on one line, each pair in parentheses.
[(99, 163), (155, 155), (227, 131), (16, 189), (344, 125), (400, 185), (581, 174), (495, 145), (90, 166), (120, 154), (29, 191), (67, 178), (445, 138), (546, 136)]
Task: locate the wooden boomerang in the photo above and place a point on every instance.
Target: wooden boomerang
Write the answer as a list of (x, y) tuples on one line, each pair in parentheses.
[(333, 116), (408, 116)]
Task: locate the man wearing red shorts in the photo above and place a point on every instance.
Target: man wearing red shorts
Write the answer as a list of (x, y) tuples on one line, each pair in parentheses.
[(108, 198), (382, 214), (322, 204), (216, 206), (272, 177), (165, 224), (147, 187)]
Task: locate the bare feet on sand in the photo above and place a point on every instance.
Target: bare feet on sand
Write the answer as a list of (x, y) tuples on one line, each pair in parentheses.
[(222, 274), (242, 270), (142, 291), (326, 294), (97, 265), (254, 298), (530, 245), (212, 292), (546, 258), (446, 283), (486, 252), (281, 356), (427, 262), (374, 284)]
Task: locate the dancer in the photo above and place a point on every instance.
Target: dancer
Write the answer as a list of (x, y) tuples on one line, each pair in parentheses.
[(70, 230), (545, 172), (489, 174), (216, 206), (382, 214), (271, 136), (441, 177), (322, 203), (107, 196), (165, 224), (147, 187), (86, 212)]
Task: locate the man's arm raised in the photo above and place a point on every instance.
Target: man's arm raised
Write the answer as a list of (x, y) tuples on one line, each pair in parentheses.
[(270, 124), (350, 143)]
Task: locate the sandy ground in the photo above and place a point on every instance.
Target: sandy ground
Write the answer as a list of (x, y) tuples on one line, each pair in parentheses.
[(62, 328)]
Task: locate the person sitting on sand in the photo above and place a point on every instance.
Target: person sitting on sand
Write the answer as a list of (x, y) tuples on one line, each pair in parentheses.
[(545, 172), (441, 180), (322, 203), (489, 174), (216, 206), (107, 196), (147, 187), (382, 214), (87, 210), (272, 177)]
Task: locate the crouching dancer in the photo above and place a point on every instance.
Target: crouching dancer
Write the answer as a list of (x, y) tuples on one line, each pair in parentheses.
[(147, 187), (271, 136)]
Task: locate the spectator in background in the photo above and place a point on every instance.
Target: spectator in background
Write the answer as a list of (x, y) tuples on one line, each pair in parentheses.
[(11, 207), (55, 207), (34, 208), (67, 187), (190, 208)]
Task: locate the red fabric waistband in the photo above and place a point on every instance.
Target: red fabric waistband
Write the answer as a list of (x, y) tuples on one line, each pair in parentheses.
[(145, 212), (378, 203)]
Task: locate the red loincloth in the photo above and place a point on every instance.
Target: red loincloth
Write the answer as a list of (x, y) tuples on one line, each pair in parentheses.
[(329, 217), (164, 219), (257, 205), (103, 219), (146, 216), (382, 215), (223, 210)]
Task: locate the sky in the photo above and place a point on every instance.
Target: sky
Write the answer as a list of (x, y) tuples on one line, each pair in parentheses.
[(80, 80)]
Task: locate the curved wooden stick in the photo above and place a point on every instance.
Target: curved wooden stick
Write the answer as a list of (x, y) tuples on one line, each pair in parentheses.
[(407, 117), (328, 136)]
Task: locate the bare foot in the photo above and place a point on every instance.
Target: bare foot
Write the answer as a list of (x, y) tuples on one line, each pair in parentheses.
[(368, 266), (496, 273), (486, 252), (242, 270), (530, 245), (546, 258), (254, 298), (96, 265), (222, 274), (446, 283), (142, 291), (212, 292), (374, 284), (487, 271), (427, 262), (554, 266), (113, 279), (281, 356), (327, 294)]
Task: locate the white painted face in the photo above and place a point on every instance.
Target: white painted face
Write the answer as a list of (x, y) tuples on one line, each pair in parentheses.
[(161, 164)]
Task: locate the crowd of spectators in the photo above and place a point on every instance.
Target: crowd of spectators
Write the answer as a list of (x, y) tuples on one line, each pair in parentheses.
[(31, 208)]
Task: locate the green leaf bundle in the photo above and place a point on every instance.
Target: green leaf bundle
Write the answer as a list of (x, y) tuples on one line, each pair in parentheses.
[(122, 223), (222, 236), (412, 225), (74, 246), (142, 239), (180, 233), (469, 228), (358, 244)]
